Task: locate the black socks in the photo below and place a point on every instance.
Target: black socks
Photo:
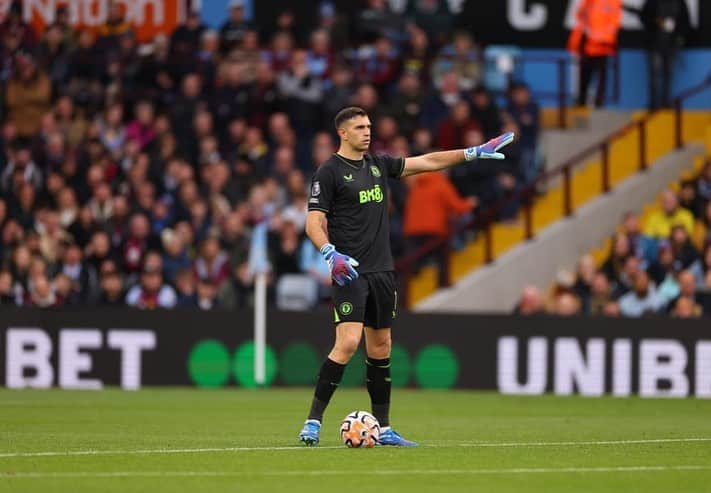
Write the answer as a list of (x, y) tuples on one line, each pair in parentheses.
[(328, 379), (378, 383)]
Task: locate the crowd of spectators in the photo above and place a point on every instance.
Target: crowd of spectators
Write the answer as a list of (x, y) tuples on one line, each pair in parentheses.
[(135, 173), (661, 267)]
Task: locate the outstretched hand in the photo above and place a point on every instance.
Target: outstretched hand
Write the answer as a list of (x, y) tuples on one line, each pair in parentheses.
[(488, 150)]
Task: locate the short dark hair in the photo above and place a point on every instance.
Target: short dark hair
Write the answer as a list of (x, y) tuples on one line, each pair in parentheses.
[(348, 113)]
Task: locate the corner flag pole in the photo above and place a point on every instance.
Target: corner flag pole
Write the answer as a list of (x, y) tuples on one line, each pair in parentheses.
[(260, 328), (259, 265)]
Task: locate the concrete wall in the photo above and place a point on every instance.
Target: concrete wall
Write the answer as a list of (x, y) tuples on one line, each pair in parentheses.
[(496, 288)]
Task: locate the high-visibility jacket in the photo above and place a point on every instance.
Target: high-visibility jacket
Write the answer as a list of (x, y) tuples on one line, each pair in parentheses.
[(596, 27)]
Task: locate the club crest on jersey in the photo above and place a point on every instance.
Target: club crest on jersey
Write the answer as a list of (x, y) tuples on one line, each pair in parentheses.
[(316, 189), (375, 171)]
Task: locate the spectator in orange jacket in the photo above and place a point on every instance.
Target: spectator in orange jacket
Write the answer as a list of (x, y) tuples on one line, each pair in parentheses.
[(594, 39), (431, 205)]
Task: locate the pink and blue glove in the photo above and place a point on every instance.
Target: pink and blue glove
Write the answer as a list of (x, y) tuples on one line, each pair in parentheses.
[(488, 149), (341, 266)]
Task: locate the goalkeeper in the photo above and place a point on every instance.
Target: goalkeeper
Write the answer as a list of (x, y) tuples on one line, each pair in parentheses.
[(348, 223)]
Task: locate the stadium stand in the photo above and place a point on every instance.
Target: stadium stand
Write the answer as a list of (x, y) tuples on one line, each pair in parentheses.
[(656, 263), (135, 174)]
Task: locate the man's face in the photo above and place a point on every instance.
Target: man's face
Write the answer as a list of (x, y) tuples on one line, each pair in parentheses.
[(356, 132), (641, 284)]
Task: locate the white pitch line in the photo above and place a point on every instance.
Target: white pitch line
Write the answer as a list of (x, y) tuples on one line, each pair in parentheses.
[(70, 453), (331, 472), (158, 451), (578, 444)]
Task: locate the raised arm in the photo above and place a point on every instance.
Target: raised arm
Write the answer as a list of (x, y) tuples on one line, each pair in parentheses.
[(434, 161)]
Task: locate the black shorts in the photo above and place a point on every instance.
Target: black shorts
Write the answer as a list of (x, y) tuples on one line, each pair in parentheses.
[(370, 299)]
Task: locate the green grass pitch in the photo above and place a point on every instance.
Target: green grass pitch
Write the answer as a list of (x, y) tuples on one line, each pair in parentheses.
[(161, 440)]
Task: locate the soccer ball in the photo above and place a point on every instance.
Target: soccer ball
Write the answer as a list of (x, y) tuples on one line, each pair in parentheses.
[(360, 429)]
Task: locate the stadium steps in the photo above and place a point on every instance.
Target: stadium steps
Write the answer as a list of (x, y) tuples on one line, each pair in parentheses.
[(586, 183)]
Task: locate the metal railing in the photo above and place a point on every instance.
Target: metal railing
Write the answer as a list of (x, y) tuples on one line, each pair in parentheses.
[(485, 220), (563, 94)]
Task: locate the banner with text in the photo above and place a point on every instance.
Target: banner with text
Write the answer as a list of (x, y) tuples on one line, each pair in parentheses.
[(132, 349), (148, 17)]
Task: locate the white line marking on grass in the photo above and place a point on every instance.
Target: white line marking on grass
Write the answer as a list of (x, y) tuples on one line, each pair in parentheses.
[(158, 451), (330, 472), (583, 444), (301, 447)]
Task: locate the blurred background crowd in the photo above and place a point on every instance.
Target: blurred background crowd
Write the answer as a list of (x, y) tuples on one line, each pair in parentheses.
[(136, 174), (659, 265)]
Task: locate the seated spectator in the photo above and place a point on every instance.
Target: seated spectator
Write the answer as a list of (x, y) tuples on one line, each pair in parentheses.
[(212, 264), (41, 294), (440, 102), (302, 92), (431, 206), (462, 57), (206, 295), (585, 274), (151, 292), (20, 168), (686, 308), (175, 255), (417, 56), (233, 30), (7, 289), (566, 305), (380, 65), (451, 132), (185, 288), (81, 274), (664, 266), (375, 20), (688, 290), (600, 294), (434, 17), (625, 281), (611, 309), (689, 200), (237, 290), (526, 114), (27, 96), (320, 57), (112, 292), (643, 299), (660, 222), (619, 251), (283, 244), (485, 111), (685, 254), (642, 246), (531, 302)]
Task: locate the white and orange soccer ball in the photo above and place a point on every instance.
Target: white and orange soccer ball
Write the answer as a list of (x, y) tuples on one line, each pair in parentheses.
[(360, 429)]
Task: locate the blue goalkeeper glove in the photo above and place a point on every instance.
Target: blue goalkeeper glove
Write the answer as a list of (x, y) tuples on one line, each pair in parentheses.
[(488, 149), (341, 266)]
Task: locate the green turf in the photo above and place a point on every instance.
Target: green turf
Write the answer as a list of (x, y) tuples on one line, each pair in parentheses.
[(452, 426)]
